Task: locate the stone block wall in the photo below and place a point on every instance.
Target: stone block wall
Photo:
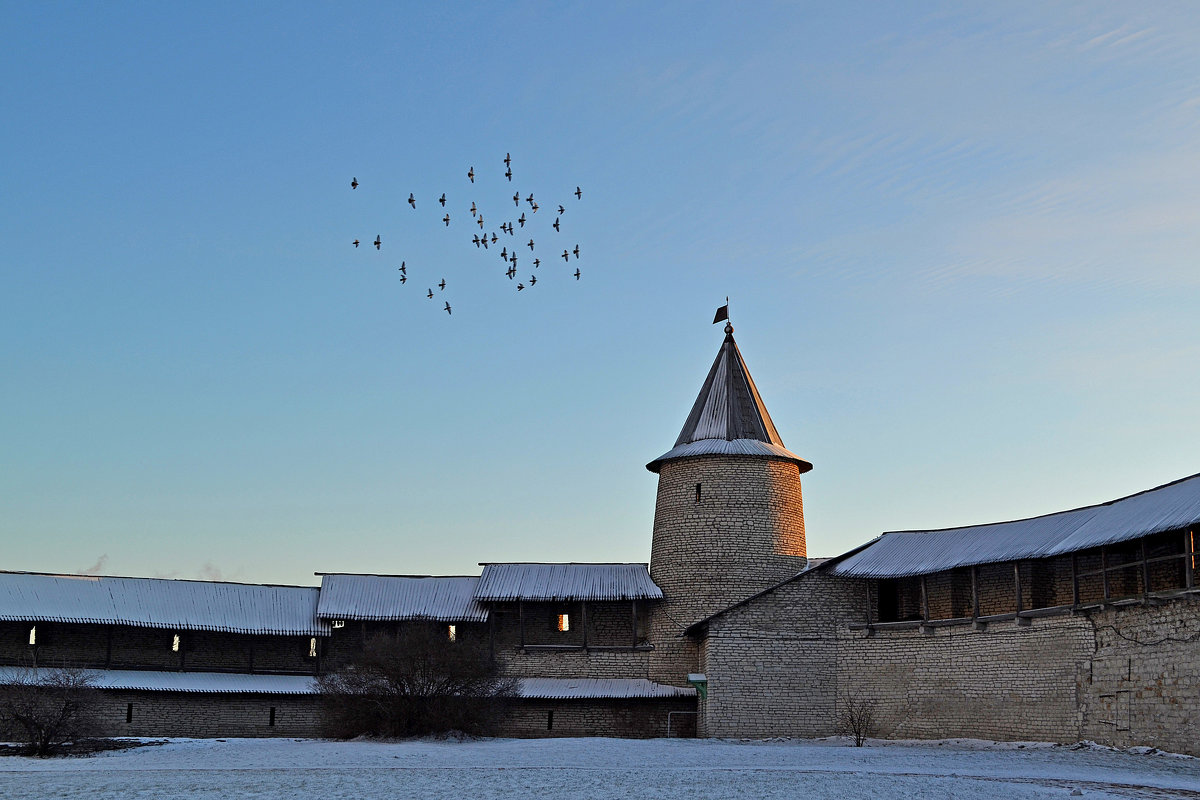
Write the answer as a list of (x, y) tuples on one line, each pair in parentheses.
[(781, 664), (636, 718), (207, 715)]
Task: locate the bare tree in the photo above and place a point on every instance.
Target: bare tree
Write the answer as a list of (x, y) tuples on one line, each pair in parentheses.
[(416, 682), (856, 716), (47, 707)]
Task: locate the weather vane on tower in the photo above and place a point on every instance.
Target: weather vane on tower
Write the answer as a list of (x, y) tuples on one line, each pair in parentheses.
[(723, 314)]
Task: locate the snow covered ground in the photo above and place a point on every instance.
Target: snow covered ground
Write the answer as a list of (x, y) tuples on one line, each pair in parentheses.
[(599, 769)]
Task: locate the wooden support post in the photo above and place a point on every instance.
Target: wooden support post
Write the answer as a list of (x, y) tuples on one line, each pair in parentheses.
[(1189, 559), (1104, 571), (924, 600), (583, 615), (521, 614), (975, 591), (1017, 585), (1074, 581), (1145, 571), (867, 593), (633, 624)]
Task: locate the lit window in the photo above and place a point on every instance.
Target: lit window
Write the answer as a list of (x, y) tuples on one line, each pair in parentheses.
[(175, 644), (338, 623), (312, 647), (564, 622), (453, 633), (33, 635)]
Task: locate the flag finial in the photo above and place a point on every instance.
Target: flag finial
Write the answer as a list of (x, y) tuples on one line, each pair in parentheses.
[(723, 314)]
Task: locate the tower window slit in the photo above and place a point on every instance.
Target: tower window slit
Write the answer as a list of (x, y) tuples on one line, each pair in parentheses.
[(271, 720), (697, 493), (129, 712)]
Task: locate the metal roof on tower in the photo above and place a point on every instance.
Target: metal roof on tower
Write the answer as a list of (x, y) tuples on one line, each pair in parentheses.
[(729, 417)]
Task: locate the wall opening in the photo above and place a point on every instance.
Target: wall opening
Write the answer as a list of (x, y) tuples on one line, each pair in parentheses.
[(128, 712), (697, 493), (312, 647), (271, 719), (563, 622), (175, 644), (550, 720), (33, 636), (452, 633)]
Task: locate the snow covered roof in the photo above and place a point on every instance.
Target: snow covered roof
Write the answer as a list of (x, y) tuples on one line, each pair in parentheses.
[(501, 582), (1172, 506), (161, 603), (729, 417), (393, 597), (156, 681), (584, 688)]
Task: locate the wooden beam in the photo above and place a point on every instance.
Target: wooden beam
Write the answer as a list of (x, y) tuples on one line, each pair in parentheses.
[(867, 592), (924, 600)]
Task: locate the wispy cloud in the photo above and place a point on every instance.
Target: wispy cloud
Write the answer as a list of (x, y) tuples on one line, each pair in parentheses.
[(96, 568)]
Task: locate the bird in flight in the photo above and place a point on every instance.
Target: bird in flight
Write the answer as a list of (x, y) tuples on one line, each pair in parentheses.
[(447, 308), (555, 225), (511, 272), (412, 201), (479, 219), (484, 242), (529, 199), (566, 256), (508, 159), (356, 242), (531, 244), (578, 193), (521, 220), (576, 251), (404, 279), (472, 208), (561, 210), (494, 237), (504, 254), (442, 199), (354, 183), (471, 174), (442, 285), (517, 199), (446, 219), (537, 262), (430, 295), (378, 241), (513, 259), (475, 240), (534, 207), (520, 286), (508, 174), (404, 267), (577, 273), (532, 280)]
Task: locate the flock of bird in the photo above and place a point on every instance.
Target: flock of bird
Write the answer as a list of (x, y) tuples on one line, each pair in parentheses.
[(483, 239)]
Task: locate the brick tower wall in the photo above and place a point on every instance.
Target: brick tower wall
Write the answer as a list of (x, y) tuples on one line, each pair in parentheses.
[(742, 534)]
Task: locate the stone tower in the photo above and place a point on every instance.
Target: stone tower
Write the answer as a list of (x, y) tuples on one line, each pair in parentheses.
[(729, 519)]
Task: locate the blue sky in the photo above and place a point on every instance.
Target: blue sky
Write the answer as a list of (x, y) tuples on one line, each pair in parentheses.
[(960, 244)]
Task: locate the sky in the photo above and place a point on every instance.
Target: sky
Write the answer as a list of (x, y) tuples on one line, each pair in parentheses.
[(959, 243)]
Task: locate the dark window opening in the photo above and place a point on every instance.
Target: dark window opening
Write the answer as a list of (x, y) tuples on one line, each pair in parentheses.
[(697, 493), (271, 720), (550, 720), (129, 712)]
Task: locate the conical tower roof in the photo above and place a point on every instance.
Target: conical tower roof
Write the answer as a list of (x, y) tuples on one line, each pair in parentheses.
[(728, 417)]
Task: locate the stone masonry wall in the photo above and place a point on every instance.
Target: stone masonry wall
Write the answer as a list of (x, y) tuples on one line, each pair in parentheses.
[(642, 718), (207, 715), (780, 664)]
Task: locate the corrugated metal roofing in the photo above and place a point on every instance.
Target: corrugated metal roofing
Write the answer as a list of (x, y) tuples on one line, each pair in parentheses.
[(161, 603), (897, 554), (728, 410), (584, 688), (204, 682), (387, 597), (501, 582)]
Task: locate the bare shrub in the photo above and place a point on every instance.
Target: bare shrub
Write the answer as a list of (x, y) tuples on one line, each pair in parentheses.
[(414, 683), (856, 717), (45, 708)]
